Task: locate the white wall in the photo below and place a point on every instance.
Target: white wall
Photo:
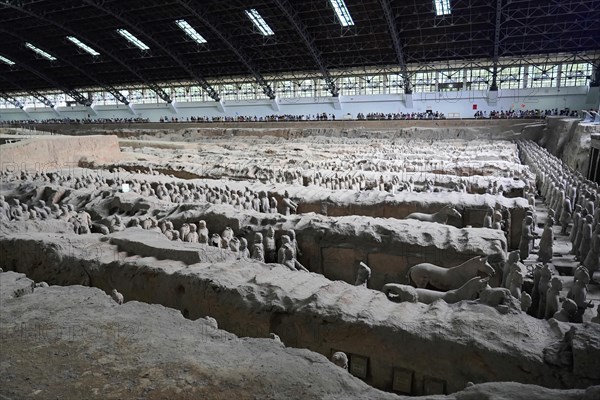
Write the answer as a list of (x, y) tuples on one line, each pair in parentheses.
[(460, 102)]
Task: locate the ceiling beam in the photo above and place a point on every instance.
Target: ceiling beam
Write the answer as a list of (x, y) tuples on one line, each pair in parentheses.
[(165, 47), (74, 93), (21, 6), (11, 100), (495, 56), (393, 29), (286, 7), (595, 81), (192, 8), (40, 97), (64, 58)]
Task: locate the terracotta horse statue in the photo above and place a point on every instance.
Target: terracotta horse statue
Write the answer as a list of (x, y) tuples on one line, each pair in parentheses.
[(441, 278), (468, 291), (441, 217)]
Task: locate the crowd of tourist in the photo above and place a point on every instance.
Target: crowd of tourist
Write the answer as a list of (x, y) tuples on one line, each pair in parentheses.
[(525, 113), (428, 115), (253, 118), (67, 120), (399, 116)]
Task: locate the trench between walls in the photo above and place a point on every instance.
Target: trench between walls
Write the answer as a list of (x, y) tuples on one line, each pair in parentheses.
[(333, 252)]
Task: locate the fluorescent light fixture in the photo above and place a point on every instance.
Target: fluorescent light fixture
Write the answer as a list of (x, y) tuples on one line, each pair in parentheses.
[(40, 52), (442, 7), (6, 61), (342, 12), (132, 39), (191, 32), (83, 46), (259, 22)]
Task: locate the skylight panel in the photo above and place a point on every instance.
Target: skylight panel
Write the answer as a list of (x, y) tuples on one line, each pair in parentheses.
[(191, 32), (83, 46), (259, 22), (6, 61), (40, 52), (132, 39), (342, 12), (442, 7)]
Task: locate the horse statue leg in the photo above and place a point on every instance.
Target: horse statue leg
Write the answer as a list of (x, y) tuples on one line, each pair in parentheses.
[(468, 291), (400, 293), (420, 279)]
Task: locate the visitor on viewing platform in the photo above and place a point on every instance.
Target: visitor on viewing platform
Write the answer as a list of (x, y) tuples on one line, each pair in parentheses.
[(77, 121), (428, 115), (401, 116), (525, 113)]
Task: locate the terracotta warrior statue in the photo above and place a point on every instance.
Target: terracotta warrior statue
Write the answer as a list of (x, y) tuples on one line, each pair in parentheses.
[(546, 242), (526, 238), (552, 297)]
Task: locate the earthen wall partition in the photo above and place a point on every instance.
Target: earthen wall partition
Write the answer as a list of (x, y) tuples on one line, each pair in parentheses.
[(472, 207), (74, 127), (450, 344), (45, 154)]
